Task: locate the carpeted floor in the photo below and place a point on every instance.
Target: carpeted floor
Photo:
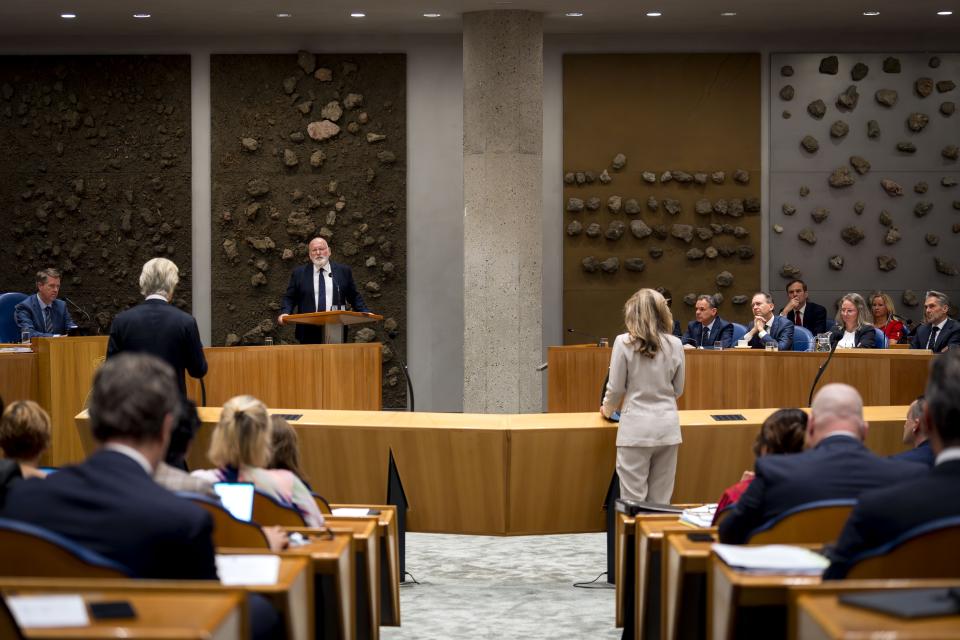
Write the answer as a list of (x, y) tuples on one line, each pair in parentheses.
[(511, 587)]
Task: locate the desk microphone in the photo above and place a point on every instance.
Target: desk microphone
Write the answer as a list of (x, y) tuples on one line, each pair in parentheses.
[(823, 367), (81, 310), (596, 339)]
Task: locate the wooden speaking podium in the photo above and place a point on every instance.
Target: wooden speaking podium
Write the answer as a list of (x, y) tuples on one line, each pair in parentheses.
[(333, 322)]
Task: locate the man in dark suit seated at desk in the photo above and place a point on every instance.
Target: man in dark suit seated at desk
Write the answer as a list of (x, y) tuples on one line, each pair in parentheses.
[(322, 285), (157, 327), (709, 328), (883, 515), (42, 315), (939, 332), (801, 311), (835, 465), (768, 328), (915, 435)]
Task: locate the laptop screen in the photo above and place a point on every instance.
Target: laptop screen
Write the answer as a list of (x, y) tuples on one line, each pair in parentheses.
[(237, 498)]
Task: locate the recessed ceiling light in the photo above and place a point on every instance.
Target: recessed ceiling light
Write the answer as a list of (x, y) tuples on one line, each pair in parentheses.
[(574, 14), (68, 16), (283, 15), (871, 13), (141, 16), (727, 14), (357, 14), (431, 15), (654, 14), (944, 13)]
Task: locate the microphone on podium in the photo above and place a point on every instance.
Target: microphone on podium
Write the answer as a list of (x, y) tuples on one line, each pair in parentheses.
[(596, 339)]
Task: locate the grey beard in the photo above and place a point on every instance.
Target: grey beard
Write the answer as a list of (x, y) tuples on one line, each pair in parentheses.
[(320, 262)]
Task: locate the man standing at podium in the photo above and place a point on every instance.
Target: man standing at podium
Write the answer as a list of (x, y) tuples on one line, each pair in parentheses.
[(43, 315), (322, 285)]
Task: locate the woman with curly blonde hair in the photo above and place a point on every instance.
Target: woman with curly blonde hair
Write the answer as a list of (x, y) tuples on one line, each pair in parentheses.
[(646, 375)]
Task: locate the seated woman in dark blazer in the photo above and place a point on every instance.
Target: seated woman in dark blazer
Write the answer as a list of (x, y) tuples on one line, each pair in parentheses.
[(782, 432), (853, 328)]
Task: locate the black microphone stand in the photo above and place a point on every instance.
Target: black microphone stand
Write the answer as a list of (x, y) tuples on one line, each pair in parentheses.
[(823, 367), (403, 366)]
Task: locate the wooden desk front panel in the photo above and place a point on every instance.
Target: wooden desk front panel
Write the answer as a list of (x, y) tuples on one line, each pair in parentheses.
[(19, 377), (322, 376), (745, 379)]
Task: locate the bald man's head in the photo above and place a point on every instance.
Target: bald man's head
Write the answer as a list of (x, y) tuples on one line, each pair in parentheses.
[(836, 407)]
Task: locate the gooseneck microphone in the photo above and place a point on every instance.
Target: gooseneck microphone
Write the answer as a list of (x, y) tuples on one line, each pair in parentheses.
[(81, 310), (596, 339), (836, 333), (403, 365)]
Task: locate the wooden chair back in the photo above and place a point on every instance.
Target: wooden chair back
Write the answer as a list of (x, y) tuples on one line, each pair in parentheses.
[(928, 551), (268, 512), (808, 523), (29, 551), (227, 530)]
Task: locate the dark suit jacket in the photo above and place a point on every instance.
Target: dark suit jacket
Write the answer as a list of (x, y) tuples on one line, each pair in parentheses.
[(110, 505), (30, 317), (722, 331), (781, 332), (949, 336), (299, 296), (921, 453), (884, 514), (814, 318), (160, 329), (865, 337), (838, 467)]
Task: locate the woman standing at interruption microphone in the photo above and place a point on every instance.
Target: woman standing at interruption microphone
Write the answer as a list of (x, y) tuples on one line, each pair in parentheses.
[(646, 372)]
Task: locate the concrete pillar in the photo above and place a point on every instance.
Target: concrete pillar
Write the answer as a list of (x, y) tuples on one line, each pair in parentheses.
[(503, 210)]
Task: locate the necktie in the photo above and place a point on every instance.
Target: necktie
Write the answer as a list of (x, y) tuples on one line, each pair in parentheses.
[(704, 332), (47, 320), (933, 337), (797, 318)]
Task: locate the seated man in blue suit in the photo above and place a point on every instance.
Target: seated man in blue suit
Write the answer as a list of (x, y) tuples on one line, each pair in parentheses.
[(709, 328), (915, 435), (939, 332), (322, 285), (768, 328), (883, 515), (43, 315), (835, 465)]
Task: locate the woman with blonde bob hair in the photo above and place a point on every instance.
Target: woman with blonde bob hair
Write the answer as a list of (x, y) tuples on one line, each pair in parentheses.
[(646, 374), (241, 448), (885, 316), (853, 327)]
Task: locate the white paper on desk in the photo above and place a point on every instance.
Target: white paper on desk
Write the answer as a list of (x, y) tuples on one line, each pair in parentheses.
[(349, 512), (48, 611), (772, 558), (699, 516), (248, 570), (16, 350)]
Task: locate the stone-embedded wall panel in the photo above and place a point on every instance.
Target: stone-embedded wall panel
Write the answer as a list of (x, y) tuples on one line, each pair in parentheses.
[(661, 184), (308, 145), (94, 175), (897, 230)]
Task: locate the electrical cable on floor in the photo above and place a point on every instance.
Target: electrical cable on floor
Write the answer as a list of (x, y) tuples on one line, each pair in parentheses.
[(593, 584), (411, 581)]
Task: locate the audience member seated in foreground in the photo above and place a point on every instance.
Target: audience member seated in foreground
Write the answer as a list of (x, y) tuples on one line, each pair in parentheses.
[(915, 434), (836, 465), (240, 447), (110, 503), (286, 448), (25, 435), (883, 515), (782, 432), (170, 473)]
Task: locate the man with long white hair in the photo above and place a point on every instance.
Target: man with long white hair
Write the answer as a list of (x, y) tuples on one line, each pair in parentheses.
[(835, 465), (157, 327)]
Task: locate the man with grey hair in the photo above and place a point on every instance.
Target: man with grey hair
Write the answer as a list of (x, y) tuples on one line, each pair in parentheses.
[(835, 465), (768, 328), (708, 329), (157, 327), (915, 435), (938, 332), (42, 315)]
